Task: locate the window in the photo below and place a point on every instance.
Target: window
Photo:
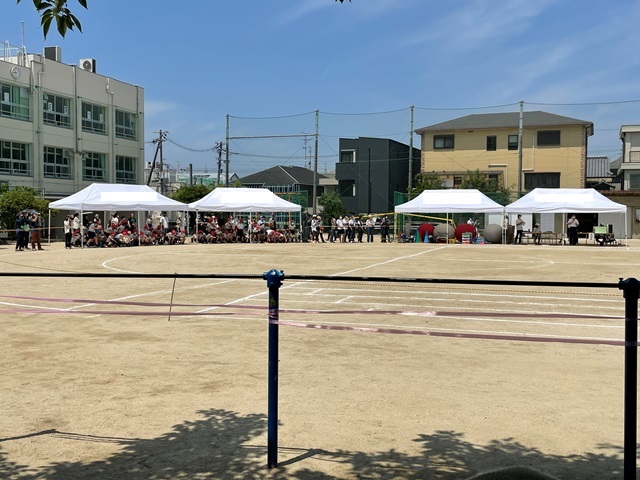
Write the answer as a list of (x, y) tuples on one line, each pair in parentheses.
[(541, 180), (347, 188), (14, 102), (14, 158), (512, 142), (549, 138), (634, 180), (125, 170), (56, 110), (457, 181), (93, 119), (57, 163), (441, 142), (347, 156), (492, 143), (93, 167), (125, 125)]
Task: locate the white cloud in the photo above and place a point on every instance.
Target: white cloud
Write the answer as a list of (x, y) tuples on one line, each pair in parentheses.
[(301, 8), (478, 21), (154, 108)]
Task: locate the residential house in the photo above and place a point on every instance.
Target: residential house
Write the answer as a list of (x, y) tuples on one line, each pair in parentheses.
[(63, 127), (370, 170), (629, 169), (294, 184), (599, 174), (553, 152)]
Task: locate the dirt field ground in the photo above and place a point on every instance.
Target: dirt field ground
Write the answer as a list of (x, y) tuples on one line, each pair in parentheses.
[(117, 391)]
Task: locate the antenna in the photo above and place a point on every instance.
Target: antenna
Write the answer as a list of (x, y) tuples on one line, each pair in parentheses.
[(24, 51)]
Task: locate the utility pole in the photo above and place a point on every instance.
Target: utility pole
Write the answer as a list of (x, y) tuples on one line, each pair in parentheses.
[(227, 153), (520, 148), (315, 168), (219, 148), (161, 141), (411, 152), (162, 136)]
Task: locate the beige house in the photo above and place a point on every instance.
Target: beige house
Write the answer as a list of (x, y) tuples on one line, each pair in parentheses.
[(553, 154)]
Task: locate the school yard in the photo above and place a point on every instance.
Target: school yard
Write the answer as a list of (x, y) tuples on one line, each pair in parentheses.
[(99, 383)]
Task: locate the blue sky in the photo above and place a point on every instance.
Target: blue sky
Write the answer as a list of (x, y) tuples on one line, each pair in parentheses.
[(256, 59)]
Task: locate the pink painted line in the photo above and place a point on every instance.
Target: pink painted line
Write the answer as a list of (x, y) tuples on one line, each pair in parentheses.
[(419, 313), (478, 336), (120, 302), (121, 313)]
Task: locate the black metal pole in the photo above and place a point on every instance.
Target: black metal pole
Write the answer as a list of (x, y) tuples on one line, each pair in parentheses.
[(274, 280), (631, 290)]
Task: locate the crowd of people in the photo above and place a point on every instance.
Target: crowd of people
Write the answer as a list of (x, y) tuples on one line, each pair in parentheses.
[(127, 231), (347, 229), (236, 229), (120, 232), (28, 226)]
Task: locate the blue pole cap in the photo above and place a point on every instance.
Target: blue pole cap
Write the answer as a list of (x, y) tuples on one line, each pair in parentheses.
[(274, 278)]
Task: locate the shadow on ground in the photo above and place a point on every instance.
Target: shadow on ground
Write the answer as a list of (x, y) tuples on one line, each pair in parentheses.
[(223, 446)]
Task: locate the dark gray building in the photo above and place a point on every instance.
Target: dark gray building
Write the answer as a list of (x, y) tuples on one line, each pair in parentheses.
[(370, 170)]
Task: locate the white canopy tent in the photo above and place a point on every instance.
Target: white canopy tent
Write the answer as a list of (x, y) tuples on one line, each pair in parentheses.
[(450, 201), (567, 200), (244, 200), (116, 196)]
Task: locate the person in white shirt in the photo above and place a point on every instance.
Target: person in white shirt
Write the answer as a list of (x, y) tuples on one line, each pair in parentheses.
[(519, 229), (572, 230)]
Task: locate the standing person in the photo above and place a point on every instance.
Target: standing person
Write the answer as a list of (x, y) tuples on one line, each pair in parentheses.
[(572, 230), (314, 229), (384, 229), (67, 231), (164, 223), (369, 227), (36, 227), (519, 229), (240, 230), (320, 229), (131, 222), (333, 230), (19, 236), (352, 229), (340, 229)]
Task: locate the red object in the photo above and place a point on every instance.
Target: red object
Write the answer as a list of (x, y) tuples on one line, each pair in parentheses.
[(424, 229), (465, 228)]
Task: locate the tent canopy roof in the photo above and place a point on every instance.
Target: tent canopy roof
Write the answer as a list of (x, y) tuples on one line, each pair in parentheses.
[(450, 201), (244, 200), (565, 200), (117, 196)]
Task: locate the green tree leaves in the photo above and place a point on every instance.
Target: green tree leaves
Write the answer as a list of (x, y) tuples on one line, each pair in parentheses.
[(18, 199), (57, 10), (190, 193), (331, 204)]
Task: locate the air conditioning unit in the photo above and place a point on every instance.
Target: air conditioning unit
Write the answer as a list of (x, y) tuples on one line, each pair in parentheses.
[(88, 64), (53, 53)]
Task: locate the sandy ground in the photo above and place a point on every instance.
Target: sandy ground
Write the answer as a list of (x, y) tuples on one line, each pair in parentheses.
[(97, 391)]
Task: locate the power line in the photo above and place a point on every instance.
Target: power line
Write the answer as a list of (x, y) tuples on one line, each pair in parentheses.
[(211, 149)]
